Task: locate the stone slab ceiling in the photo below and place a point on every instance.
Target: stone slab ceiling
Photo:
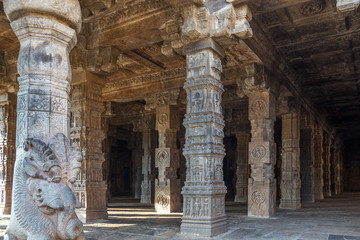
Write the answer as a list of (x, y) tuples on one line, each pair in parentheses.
[(122, 39), (322, 46)]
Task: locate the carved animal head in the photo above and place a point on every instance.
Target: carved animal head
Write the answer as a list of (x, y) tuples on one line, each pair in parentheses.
[(47, 173)]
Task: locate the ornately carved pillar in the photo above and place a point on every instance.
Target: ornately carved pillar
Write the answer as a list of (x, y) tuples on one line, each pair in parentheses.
[(167, 160), (87, 135), (47, 31), (144, 126), (327, 165), (318, 164), (290, 166), (262, 184), (242, 169), (307, 158), (167, 156), (204, 190), (7, 149)]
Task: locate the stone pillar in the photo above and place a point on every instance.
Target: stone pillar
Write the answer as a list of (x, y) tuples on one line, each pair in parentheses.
[(167, 156), (242, 168), (332, 166), (47, 32), (337, 169), (262, 184), (318, 164), (167, 160), (7, 149), (137, 154), (307, 159), (144, 126), (204, 190), (87, 135), (290, 167), (327, 165)]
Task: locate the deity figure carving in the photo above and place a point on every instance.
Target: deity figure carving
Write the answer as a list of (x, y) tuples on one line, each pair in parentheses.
[(43, 197)]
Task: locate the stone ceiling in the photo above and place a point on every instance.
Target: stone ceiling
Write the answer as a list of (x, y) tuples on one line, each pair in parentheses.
[(308, 43)]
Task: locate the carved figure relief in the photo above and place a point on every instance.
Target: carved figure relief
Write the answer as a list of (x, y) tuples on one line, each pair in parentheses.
[(43, 190), (197, 102), (162, 157), (258, 106), (163, 200), (258, 198), (163, 118), (258, 152)]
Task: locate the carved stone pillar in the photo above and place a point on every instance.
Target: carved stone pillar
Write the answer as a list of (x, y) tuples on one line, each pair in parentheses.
[(47, 32), (204, 190), (167, 186), (307, 159), (290, 166), (318, 164), (242, 168), (7, 149), (327, 165), (262, 185), (87, 135), (167, 159), (144, 126)]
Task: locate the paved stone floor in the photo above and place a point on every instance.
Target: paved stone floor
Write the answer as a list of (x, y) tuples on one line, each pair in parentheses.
[(333, 218)]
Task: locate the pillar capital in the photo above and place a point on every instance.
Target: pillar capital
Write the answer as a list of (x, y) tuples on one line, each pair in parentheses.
[(256, 79), (67, 11), (164, 98), (205, 19)]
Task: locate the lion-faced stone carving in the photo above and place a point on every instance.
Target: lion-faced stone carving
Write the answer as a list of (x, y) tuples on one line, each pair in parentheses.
[(43, 205)]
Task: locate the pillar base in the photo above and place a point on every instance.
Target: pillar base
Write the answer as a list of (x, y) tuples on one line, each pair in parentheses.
[(241, 199), (307, 198), (292, 205), (262, 199), (204, 228), (91, 215)]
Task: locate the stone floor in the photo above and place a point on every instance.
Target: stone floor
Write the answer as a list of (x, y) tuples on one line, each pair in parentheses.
[(333, 218)]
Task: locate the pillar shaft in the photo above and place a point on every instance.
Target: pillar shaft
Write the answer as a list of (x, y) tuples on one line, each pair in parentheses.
[(318, 165), (204, 190), (337, 169), (167, 186), (307, 165), (262, 185), (327, 165), (242, 168), (137, 153), (7, 149), (87, 135), (144, 126), (290, 166)]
